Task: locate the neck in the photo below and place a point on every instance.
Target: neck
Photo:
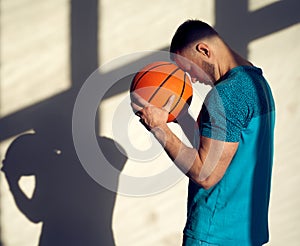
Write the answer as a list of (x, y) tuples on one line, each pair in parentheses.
[(227, 59)]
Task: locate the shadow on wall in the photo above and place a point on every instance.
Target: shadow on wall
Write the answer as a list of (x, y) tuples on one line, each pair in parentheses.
[(238, 26), (73, 208)]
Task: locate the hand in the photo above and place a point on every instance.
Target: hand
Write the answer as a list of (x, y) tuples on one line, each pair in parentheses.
[(151, 116)]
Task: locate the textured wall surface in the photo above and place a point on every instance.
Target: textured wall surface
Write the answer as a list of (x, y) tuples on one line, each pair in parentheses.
[(49, 48)]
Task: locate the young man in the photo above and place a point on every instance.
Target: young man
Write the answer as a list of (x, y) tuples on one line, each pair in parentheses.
[(230, 173)]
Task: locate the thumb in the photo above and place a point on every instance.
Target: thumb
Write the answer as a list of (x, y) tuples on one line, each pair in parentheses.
[(169, 103)]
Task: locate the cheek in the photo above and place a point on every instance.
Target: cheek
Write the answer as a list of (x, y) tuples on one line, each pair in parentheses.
[(208, 68), (197, 72), (202, 75)]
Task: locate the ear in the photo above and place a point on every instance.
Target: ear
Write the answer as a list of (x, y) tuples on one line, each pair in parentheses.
[(203, 49)]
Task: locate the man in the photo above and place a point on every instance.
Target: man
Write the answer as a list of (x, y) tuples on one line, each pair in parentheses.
[(230, 173)]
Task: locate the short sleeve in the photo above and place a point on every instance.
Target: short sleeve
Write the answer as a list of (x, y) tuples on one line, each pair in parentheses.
[(223, 115)]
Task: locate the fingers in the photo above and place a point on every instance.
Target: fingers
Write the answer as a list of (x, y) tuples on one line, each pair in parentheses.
[(138, 103), (137, 99), (169, 103), (136, 108), (144, 124)]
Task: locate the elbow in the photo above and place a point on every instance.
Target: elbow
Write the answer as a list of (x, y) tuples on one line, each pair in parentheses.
[(206, 179), (34, 220), (206, 183), (34, 217)]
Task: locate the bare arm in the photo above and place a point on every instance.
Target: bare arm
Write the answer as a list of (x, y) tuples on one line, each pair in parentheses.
[(28, 206), (205, 166)]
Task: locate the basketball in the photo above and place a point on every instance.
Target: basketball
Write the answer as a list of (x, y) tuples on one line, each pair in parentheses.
[(157, 81)]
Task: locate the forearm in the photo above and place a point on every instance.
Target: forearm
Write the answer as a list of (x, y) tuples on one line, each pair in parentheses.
[(186, 159), (189, 160), (26, 205)]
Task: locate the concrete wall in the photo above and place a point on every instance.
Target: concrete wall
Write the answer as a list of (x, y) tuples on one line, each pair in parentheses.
[(49, 48)]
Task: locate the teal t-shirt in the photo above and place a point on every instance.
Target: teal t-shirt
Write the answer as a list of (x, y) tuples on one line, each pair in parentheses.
[(240, 108)]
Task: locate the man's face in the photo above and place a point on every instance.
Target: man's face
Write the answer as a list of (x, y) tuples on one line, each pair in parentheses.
[(196, 67)]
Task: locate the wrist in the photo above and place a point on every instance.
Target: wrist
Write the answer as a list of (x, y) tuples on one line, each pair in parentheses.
[(161, 133)]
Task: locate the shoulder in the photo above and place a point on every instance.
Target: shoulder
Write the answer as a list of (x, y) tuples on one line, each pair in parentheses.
[(242, 88)]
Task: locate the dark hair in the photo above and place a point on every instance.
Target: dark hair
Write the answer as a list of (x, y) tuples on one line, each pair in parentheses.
[(189, 32)]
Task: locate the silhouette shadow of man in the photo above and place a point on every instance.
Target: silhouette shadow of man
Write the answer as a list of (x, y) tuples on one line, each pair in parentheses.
[(74, 209)]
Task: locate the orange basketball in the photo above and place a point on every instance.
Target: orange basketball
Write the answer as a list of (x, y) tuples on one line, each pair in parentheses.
[(157, 81)]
